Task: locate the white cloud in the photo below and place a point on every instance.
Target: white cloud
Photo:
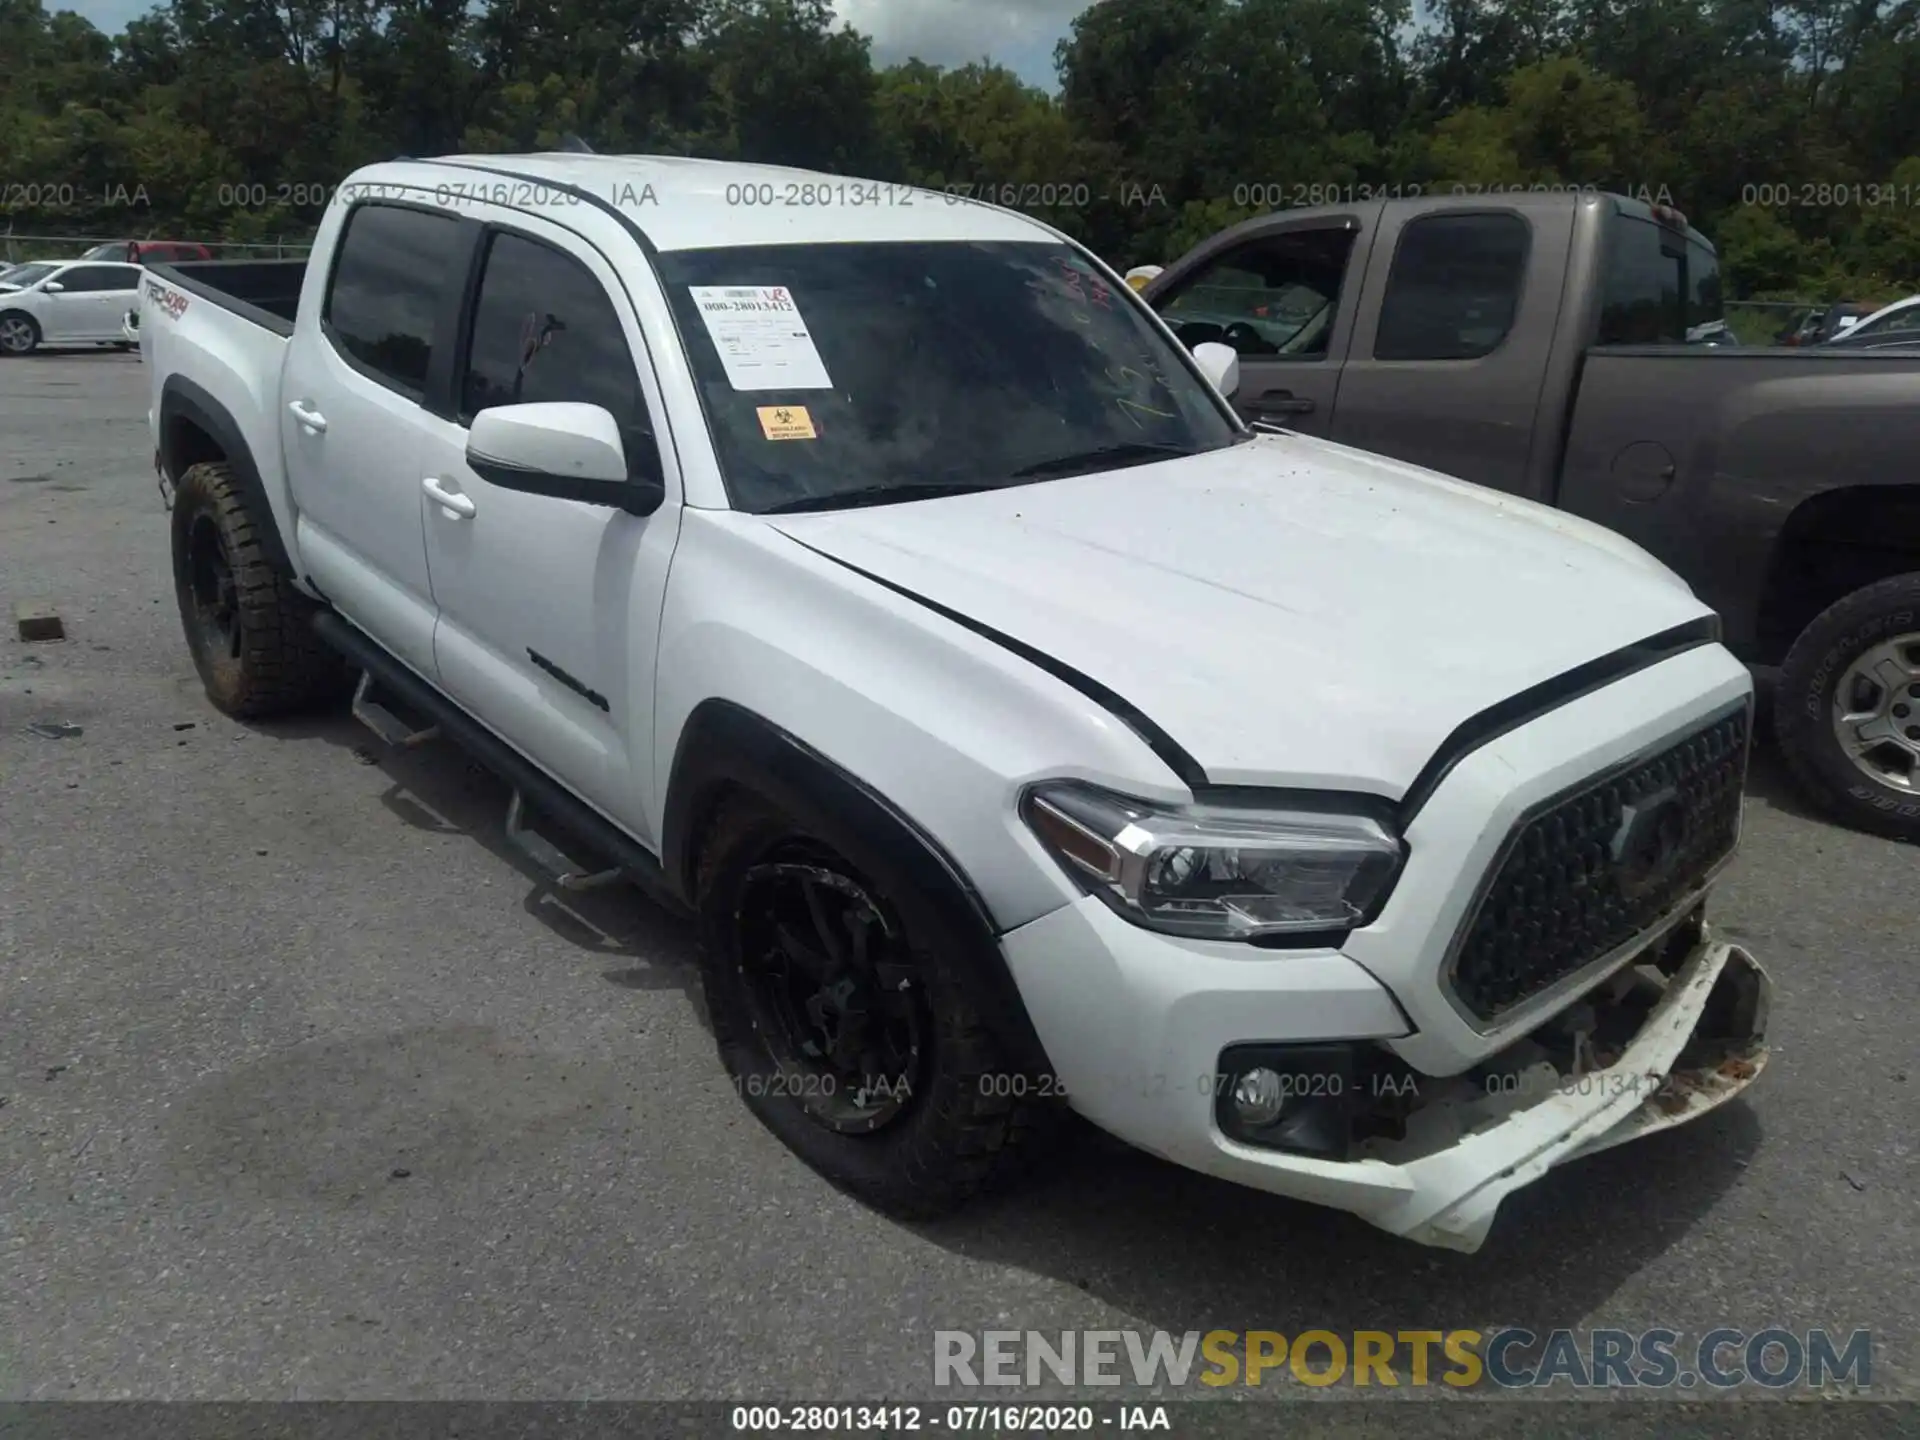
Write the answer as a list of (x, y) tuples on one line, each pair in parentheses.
[(1020, 34)]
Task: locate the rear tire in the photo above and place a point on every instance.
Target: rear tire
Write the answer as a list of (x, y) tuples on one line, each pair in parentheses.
[(943, 1117), (1847, 714), (249, 631), (19, 333)]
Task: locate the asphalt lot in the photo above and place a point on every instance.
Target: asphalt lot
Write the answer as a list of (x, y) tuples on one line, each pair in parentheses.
[(309, 1090)]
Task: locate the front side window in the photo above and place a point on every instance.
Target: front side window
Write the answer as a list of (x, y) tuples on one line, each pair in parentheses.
[(864, 373), (388, 280), (1454, 287), (1271, 299), (91, 279), (545, 330)]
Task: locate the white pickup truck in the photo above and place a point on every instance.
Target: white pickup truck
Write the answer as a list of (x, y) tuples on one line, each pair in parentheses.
[(871, 573)]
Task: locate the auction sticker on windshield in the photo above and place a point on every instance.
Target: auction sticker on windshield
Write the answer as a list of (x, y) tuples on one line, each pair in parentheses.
[(762, 339)]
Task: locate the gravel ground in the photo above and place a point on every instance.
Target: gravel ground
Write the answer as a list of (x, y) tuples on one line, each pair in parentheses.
[(309, 1090)]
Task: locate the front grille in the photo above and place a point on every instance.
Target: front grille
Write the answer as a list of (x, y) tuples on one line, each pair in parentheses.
[(1587, 871)]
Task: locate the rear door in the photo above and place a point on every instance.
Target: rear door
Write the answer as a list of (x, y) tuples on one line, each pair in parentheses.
[(121, 294), (1279, 291), (1451, 342), (351, 416)]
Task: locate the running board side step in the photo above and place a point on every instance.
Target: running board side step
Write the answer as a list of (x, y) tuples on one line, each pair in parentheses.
[(380, 719), (564, 872), (531, 785)]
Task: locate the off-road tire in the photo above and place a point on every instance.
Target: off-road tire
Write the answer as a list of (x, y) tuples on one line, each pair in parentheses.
[(964, 1133), (33, 326), (277, 664), (1803, 704)]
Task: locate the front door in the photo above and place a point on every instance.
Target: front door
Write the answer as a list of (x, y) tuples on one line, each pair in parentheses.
[(549, 609), (1278, 292), (351, 420)]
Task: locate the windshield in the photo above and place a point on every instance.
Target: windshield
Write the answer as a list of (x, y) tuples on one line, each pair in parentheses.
[(866, 373), (25, 275)]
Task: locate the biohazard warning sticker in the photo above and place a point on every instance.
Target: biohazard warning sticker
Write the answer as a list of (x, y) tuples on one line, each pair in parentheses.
[(786, 422)]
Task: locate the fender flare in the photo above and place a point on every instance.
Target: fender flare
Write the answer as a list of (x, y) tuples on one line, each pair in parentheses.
[(725, 746), (181, 399)]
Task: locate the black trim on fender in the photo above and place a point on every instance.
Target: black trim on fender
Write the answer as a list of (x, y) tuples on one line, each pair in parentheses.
[(593, 697), (181, 399), (1122, 709), (726, 746), (553, 801), (1529, 705)]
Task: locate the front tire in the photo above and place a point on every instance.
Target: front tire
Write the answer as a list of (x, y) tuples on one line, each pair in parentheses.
[(249, 631), (843, 1015), (19, 333), (1848, 708)]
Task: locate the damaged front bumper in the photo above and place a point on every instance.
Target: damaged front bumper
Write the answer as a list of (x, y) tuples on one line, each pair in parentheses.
[(1471, 1144), (1143, 1031)]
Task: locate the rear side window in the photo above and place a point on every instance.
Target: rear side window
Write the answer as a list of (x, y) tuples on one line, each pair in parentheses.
[(388, 281), (1660, 287), (1454, 287), (544, 329)]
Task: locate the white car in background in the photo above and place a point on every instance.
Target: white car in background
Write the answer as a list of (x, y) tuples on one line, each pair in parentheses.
[(1891, 325), (66, 302)]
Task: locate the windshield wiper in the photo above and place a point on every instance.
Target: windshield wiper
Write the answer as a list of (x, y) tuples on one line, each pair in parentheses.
[(1134, 452), (875, 495)]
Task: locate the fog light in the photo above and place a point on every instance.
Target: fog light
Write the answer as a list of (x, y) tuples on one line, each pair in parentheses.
[(1259, 1098), (1287, 1097)]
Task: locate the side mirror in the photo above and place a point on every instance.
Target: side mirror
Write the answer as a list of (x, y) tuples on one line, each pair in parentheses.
[(1221, 365), (52, 287), (565, 450)]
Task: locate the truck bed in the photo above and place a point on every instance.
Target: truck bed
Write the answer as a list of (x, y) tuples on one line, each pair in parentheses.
[(1700, 454), (266, 292)]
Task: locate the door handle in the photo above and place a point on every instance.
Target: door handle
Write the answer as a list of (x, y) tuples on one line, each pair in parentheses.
[(1283, 402), (312, 419), (461, 507)]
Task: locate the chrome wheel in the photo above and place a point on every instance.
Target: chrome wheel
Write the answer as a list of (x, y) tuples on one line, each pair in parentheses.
[(17, 335), (1876, 713)]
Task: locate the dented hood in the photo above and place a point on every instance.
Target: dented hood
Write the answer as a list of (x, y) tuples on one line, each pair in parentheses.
[(1287, 610)]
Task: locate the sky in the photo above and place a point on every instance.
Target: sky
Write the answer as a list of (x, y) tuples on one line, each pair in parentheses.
[(1020, 34)]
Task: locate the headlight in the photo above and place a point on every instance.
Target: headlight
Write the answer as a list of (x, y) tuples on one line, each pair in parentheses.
[(1219, 872)]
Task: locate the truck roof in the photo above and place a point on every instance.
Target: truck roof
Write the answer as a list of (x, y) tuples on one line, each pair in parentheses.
[(681, 203)]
